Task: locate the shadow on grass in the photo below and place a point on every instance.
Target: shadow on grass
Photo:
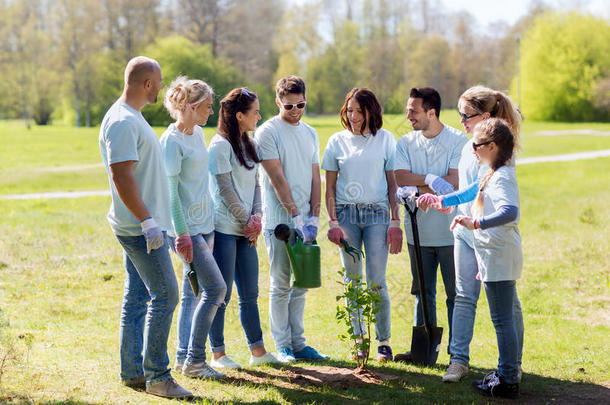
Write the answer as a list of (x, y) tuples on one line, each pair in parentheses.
[(412, 387)]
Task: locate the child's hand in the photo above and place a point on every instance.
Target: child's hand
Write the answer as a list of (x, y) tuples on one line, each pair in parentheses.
[(465, 221)]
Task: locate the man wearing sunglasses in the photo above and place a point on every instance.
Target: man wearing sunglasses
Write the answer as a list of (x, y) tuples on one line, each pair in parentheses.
[(427, 161), (289, 152)]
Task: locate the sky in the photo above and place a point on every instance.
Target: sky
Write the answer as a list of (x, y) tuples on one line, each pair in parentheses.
[(511, 10)]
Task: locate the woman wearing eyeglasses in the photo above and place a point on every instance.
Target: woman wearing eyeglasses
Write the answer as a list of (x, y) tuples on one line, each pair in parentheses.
[(238, 211), (189, 102), (476, 104), (360, 188)]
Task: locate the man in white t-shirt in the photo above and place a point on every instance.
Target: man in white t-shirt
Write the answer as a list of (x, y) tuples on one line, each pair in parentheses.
[(427, 161), (289, 153), (139, 217)]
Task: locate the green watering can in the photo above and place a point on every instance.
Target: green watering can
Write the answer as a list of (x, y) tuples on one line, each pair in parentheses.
[(304, 259)]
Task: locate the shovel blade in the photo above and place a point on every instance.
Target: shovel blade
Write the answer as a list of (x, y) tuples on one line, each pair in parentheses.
[(424, 346)]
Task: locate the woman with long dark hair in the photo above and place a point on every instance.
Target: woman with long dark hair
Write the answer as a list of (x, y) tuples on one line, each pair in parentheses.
[(360, 187), (238, 211)]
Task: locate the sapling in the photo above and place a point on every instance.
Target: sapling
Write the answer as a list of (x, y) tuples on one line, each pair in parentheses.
[(360, 303)]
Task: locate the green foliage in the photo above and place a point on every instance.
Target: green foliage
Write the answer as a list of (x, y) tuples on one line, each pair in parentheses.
[(360, 302), (180, 56), (564, 59)]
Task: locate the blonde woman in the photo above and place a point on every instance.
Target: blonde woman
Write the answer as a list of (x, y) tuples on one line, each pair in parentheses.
[(185, 155)]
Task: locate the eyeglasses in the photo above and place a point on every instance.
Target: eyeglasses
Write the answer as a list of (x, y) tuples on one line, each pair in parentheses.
[(476, 146), (467, 117), (289, 107)]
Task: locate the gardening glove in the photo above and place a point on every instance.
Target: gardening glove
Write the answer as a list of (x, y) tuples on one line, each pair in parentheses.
[(152, 233), (184, 247), (335, 233), (405, 194), (298, 224), (430, 200), (438, 184), (394, 237), (253, 228), (310, 230)]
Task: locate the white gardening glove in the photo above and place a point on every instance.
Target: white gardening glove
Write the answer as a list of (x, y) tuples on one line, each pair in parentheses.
[(152, 233), (310, 230), (439, 185), (405, 194), (298, 223)]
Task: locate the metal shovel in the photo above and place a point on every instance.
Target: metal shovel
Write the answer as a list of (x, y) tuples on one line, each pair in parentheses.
[(426, 339)]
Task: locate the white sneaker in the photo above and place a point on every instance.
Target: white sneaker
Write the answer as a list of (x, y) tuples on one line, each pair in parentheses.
[(455, 372), (168, 389), (266, 358), (201, 370), (225, 362)]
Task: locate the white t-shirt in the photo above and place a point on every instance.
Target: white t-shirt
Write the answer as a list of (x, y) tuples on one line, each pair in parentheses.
[(224, 160), (361, 162), (420, 155), (297, 147), (186, 156), (498, 249), (126, 136)]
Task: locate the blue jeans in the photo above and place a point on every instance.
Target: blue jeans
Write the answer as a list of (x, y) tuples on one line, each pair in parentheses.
[(431, 258), (286, 304), (144, 327), (196, 314), (468, 289), (368, 224), (237, 261), (501, 295)]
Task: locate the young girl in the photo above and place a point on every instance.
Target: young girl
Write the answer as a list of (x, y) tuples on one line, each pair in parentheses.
[(497, 242), (360, 188), (189, 102), (238, 211)]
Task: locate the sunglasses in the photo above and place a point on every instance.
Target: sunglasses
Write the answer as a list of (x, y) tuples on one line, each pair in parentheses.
[(476, 146), (467, 117), (289, 107), (246, 93)]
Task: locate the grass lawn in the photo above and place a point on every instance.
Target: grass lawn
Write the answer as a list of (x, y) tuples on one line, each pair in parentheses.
[(61, 282)]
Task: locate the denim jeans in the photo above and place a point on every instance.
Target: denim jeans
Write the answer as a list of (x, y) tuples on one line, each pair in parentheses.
[(501, 296), (368, 224), (286, 304), (237, 262), (196, 313), (431, 258), (145, 327), (468, 289)]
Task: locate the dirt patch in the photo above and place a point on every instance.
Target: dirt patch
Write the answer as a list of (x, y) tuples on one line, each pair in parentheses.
[(316, 376)]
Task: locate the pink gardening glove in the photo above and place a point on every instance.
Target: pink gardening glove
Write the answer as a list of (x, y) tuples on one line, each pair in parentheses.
[(184, 247), (394, 237), (425, 201), (252, 229), (335, 233)]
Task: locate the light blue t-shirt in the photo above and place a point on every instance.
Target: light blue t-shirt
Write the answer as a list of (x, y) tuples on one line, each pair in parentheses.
[(498, 249), (126, 136), (420, 155), (186, 156), (469, 171), (361, 162), (224, 160), (297, 148)]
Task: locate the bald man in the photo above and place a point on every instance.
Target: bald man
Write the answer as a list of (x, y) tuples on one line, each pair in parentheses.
[(139, 218)]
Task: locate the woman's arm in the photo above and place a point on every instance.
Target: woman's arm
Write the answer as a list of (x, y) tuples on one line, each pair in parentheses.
[(257, 204), (230, 198), (331, 193), (504, 215), (176, 206)]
